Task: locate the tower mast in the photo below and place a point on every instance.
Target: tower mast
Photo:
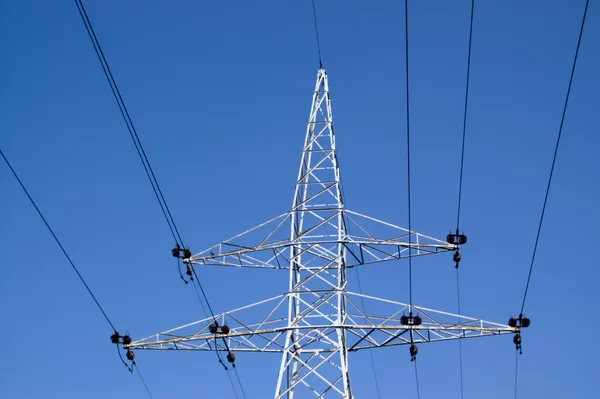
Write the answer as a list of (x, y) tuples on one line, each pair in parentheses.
[(318, 203)]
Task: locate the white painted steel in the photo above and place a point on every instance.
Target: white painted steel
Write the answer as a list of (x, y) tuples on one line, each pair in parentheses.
[(317, 321)]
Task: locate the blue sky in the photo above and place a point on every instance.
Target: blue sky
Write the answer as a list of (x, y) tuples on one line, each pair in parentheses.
[(220, 93)]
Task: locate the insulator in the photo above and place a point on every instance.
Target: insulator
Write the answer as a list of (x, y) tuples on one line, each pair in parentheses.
[(456, 239), (413, 350), (517, 339), (410, 320), (130, 355), (522, 322), (189, 271), (126, 339), (187, 253), (213, 328), (230, 357), (225, 329), (115, 338), (175, 252), (456, 257)]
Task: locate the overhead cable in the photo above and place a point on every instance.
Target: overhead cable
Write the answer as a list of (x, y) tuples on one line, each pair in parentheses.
[(460, 185), (537, 238), (129, 123), (317, 34), (562, 121), (64, 251)]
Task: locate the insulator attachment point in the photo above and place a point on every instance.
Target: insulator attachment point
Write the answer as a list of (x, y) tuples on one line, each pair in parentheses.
[(521, 322), (413, 352), (456, 239), (456, 258), (517, 340), (187, 253), (213, 328), (115, 338), (126, 339), (176, 251), (225, 329), (130, 356), (230, 357), (410, 320), (189, 271)]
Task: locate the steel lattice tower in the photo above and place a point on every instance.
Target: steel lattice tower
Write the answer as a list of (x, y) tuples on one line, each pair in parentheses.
[(317, 321)]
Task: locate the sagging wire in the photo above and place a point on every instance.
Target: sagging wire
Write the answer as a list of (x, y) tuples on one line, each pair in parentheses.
[(134, 136), (458, 238), (360, 290), (317, 34), (522, 321), (129, 122), (411, 320), (64, 251)]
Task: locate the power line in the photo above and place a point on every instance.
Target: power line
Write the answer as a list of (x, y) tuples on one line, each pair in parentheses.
[(133, 133), (239, 382), (562, 120), (317, 34), (417, 379), (138, 145), (413, 348), (360, 290), (58, 242), (129, 123), (143, 381), (362, 300), (68, 259), (460, 185), (464, 132), (233, 386), (197, 280), (408, 157)]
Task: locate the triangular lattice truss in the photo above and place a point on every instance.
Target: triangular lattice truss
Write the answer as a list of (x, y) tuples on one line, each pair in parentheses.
[(268, 245), (363, 330), (317, 322)]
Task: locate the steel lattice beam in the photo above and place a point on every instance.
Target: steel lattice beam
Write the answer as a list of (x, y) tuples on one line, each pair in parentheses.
[(317, 321)]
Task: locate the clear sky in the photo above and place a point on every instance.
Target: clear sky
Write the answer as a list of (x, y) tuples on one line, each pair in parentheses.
[(220, 94)]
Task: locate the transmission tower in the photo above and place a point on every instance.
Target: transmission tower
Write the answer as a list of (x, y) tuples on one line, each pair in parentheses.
[(317, 321)]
